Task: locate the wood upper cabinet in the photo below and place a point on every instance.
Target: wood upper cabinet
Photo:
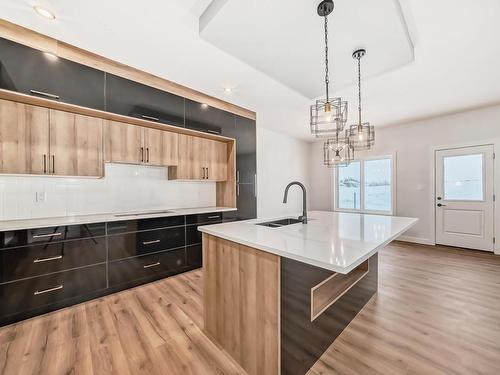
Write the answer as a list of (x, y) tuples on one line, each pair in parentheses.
[(137, 145), (24, 138), (36, 140), (76, 147), (201, 159), (123, 142)]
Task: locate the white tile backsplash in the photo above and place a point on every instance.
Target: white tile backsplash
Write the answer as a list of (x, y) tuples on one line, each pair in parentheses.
[(124, 188)]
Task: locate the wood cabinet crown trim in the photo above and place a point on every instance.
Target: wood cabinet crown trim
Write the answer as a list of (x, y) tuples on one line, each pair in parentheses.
[(45, 43)]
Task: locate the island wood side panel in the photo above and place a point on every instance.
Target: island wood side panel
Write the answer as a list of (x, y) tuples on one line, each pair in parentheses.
[(242, 303)]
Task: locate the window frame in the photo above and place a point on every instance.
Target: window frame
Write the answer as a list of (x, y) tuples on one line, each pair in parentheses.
[(392, 211)]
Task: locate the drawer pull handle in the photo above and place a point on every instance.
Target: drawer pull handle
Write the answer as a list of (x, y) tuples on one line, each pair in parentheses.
[(213, 131), (47, 235), (57, 257), (214, 217), (150, 242), (151, 265), (43, 291), (46, 94), (150, 118)]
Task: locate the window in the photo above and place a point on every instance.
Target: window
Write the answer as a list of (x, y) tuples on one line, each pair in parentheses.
[(463, 177), (365, 186)]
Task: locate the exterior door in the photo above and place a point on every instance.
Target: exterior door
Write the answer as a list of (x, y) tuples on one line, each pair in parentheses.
[(464, 197)]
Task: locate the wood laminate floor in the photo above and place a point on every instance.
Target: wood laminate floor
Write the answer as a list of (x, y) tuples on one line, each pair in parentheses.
[(437, 312)]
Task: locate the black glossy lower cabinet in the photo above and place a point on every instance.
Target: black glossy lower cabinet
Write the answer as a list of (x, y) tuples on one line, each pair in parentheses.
[(147, 267), (36, 260), (20, 297), (45, 269)]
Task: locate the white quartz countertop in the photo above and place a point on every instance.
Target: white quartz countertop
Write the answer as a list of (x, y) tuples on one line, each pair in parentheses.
[(331, 240), (99, 218)]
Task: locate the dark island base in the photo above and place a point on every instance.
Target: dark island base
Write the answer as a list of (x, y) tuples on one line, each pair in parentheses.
[(304, 341)]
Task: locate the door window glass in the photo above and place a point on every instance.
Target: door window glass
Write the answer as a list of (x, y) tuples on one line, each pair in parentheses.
[(463, 177)]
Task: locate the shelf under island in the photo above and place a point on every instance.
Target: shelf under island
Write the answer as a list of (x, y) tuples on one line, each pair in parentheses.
[(276, 297)]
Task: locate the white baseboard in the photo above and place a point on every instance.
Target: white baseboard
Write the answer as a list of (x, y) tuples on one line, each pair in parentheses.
[(419, 240)]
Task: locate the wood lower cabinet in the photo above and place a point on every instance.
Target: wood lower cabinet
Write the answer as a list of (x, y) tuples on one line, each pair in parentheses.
[(132, 144), (201, 159), (24, 138), (76, 147)]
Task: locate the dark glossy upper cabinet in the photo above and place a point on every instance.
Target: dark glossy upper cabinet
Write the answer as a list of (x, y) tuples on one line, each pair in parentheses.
[(33, 72), (134, 99), (200, 116), (246, 150)]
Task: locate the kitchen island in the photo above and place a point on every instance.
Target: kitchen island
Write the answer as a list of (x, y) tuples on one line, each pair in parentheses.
[(278, 292)]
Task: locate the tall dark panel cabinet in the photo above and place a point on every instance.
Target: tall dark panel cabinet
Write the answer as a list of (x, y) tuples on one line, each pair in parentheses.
[(33, 72)]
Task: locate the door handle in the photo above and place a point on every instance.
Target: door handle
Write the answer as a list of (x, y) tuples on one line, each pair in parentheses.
[(43, 291), (41, 260), (207, 173), (142, 154), (147, 154), (53, 164), (46, 94), (151, 118), (440, 205), (150, 242), (44, 163), (151, 265), (204, 174), (57, 234)]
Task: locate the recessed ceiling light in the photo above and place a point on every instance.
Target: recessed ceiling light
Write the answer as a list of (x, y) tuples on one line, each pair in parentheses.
[(50, 55), (44, 12), (204, 105), (228, 89)]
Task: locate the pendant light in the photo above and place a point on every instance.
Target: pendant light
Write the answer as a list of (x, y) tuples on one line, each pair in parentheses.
[(327, 116), (337, 151), (361, 135)]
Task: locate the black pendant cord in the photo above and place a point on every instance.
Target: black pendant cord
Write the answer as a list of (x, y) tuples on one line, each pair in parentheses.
[(359, 89), (327, 78)]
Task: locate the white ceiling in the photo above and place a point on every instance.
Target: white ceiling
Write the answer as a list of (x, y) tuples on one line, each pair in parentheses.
[(456, 45), (286, 41)]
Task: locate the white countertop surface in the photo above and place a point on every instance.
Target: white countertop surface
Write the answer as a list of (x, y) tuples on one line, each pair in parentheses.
[(99, 218), (332, 240)]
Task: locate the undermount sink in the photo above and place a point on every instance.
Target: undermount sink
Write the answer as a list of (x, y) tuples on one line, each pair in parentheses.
[(280, 222), (144, 213)]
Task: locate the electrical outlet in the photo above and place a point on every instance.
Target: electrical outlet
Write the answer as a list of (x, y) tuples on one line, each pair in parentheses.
[(40, 196)]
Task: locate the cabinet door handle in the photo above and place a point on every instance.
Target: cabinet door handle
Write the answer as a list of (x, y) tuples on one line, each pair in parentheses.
[(151, 265), (237, 176), (57, 234), (53, 164), (147, 154), (203, 169), (46, 94), (43, 291), (49, 259), (238, 190), (207, 173), (214, 217), (150, 242), (150, 118), (142, 154), (44, 163), (213, 131)]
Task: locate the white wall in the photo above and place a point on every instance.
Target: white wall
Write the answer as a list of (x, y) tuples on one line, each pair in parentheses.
[(280, 160), (414, 144), (124, 188)]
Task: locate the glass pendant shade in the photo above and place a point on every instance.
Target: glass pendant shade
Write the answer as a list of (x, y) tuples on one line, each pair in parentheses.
[(361, 137), (337, 151), (328, 117)]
